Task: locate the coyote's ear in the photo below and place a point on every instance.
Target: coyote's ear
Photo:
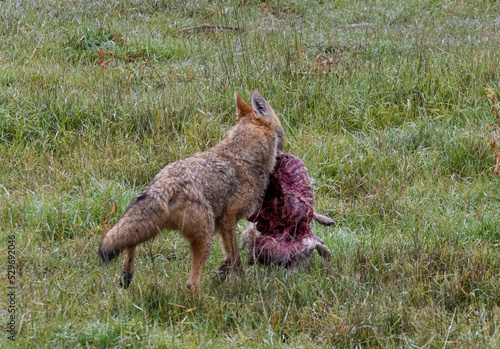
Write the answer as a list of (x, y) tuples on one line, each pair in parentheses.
[(242, 107), (261, 107)]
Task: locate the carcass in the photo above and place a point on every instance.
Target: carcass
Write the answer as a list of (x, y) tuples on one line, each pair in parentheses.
[(280, 232)]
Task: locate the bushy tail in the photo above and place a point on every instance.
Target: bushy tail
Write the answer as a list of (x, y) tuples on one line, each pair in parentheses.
[(145, 217)]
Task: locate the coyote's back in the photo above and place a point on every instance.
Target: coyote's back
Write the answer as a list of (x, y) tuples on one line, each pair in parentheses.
[(204, 194)]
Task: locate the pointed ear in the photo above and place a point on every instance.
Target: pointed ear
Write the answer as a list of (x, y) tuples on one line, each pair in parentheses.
[(261, 107), (242, 107)]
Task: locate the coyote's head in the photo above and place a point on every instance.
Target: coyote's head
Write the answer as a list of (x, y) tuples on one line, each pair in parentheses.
[(262, 116)]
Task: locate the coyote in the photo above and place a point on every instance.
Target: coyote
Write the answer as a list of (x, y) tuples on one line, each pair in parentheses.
[(205, 194)]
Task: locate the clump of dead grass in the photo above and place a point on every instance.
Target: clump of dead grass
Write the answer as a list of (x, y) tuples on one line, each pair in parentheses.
[(495, 141)]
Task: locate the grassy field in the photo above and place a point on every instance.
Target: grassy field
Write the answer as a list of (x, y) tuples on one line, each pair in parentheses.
[(392, 122)]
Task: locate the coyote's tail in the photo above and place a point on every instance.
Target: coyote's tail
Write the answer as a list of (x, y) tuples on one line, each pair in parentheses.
[(145, 217)]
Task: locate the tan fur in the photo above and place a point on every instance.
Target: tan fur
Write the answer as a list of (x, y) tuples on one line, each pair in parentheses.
[(205, 194)]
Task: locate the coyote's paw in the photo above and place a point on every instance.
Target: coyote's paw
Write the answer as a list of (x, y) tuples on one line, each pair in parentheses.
[(125, 280), (219, 275), (228, 267)]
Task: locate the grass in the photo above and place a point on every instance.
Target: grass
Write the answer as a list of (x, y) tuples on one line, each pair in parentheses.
[(395, 130)]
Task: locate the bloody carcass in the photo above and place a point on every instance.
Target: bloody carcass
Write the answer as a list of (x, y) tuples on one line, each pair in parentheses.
[(280, 232)]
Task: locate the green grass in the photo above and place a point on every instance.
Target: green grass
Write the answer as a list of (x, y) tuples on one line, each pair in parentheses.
[(395, 134)]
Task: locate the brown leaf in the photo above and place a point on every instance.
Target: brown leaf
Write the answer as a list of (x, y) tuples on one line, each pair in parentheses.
[(103, 64)]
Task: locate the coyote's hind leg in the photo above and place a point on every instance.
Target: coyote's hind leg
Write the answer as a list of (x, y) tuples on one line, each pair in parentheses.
[(128, 268), (201, 246)]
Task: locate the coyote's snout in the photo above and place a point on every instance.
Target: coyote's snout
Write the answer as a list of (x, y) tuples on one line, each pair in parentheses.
[(205, 194)]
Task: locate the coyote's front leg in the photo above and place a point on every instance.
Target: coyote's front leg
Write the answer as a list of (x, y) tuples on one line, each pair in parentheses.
[(229, 245)]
